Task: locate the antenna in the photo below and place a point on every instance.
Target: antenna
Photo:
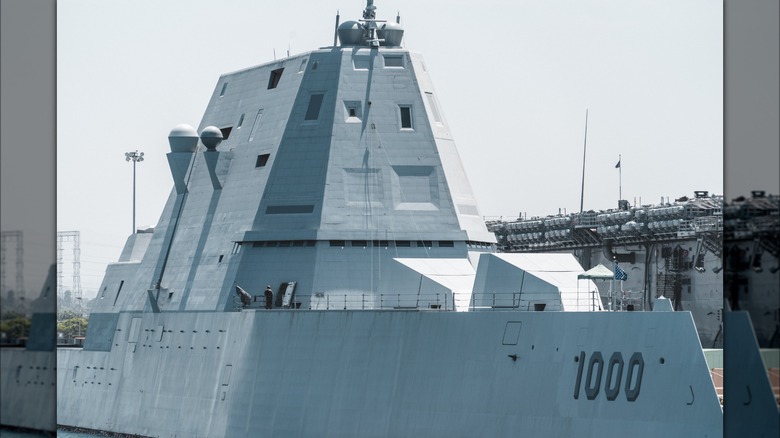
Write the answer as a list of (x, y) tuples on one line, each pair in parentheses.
[(584, 149), (336, 30)]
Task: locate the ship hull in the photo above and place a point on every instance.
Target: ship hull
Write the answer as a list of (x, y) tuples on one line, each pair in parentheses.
[(393, 373), (27, 389)]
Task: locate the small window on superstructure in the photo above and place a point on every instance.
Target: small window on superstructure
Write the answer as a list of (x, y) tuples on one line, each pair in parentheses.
[(394, 61), (276, 75), (406, 116), (224, 87), (314, 65), (352, 109), (302, 67), (262, 160), (226, 132), (240, 122)]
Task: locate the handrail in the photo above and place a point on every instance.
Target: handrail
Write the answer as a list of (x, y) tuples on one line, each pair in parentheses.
[(446, 302)]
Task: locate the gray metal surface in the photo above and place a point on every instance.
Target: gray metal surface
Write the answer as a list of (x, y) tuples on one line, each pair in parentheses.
[(337, 171), (392, 373)]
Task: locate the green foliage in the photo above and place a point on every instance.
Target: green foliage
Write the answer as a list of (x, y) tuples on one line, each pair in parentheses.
[(72, 327), (14, 326), (63, 314)]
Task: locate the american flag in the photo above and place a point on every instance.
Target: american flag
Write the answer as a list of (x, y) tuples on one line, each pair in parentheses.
[(620, 274)]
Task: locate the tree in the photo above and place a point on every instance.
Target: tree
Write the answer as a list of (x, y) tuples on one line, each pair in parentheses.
[(13, 327), (72, 327)]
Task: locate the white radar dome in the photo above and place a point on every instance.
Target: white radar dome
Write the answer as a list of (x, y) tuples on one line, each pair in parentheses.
[(183, 138), (211, 137), (392, 33)]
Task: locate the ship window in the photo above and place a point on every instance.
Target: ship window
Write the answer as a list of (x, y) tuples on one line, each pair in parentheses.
[(303, 65), (240, 122), (310, 243), (297, 243), (394, 61), (220, 258), (236, 247), (314, 65), (255, 124), (352, 109), (403, 243), (276, 75), (406, 116), (262, 160), (424, 243), (381, 243), (446, 244), (434, 108), (224, 87), (362, 243), (340, 243), (313, 111), (226, 132)]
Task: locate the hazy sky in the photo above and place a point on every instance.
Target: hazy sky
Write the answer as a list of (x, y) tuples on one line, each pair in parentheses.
[(514, 79)]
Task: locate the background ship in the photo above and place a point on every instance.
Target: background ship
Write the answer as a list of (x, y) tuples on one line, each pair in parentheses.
[(676, 250)]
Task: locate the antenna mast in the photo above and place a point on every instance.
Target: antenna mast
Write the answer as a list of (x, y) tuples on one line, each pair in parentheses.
[(584, 149)]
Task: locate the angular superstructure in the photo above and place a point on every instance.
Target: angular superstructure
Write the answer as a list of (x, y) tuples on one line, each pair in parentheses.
[(332, 163), (332, 178)]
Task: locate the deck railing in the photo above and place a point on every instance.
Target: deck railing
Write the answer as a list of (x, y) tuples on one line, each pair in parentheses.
[(527, 301)]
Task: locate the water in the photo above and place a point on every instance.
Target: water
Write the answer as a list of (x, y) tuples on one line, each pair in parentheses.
[(10, 433)]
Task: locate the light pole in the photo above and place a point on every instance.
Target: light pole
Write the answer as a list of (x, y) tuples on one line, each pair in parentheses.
[(134, 157)]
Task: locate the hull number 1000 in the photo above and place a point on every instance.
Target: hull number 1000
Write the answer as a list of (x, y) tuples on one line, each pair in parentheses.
[(614, 379)]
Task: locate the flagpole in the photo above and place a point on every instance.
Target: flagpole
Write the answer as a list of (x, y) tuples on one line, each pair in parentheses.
[(620, 178), (584, 149)]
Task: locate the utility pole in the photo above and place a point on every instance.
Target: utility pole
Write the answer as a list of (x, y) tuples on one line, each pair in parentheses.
[(135, 157)]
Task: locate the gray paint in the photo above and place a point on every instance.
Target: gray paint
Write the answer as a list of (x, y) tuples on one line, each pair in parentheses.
[(176, 360), (385, 373)]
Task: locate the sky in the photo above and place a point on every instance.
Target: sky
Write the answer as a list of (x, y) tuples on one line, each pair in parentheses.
[(514, 80)]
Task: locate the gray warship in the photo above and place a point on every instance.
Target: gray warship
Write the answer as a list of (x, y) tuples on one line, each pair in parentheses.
[(332, 178), (28, 372), (686, 250)]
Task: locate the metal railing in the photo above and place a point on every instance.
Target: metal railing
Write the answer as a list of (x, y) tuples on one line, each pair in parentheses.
[(527, 301)]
